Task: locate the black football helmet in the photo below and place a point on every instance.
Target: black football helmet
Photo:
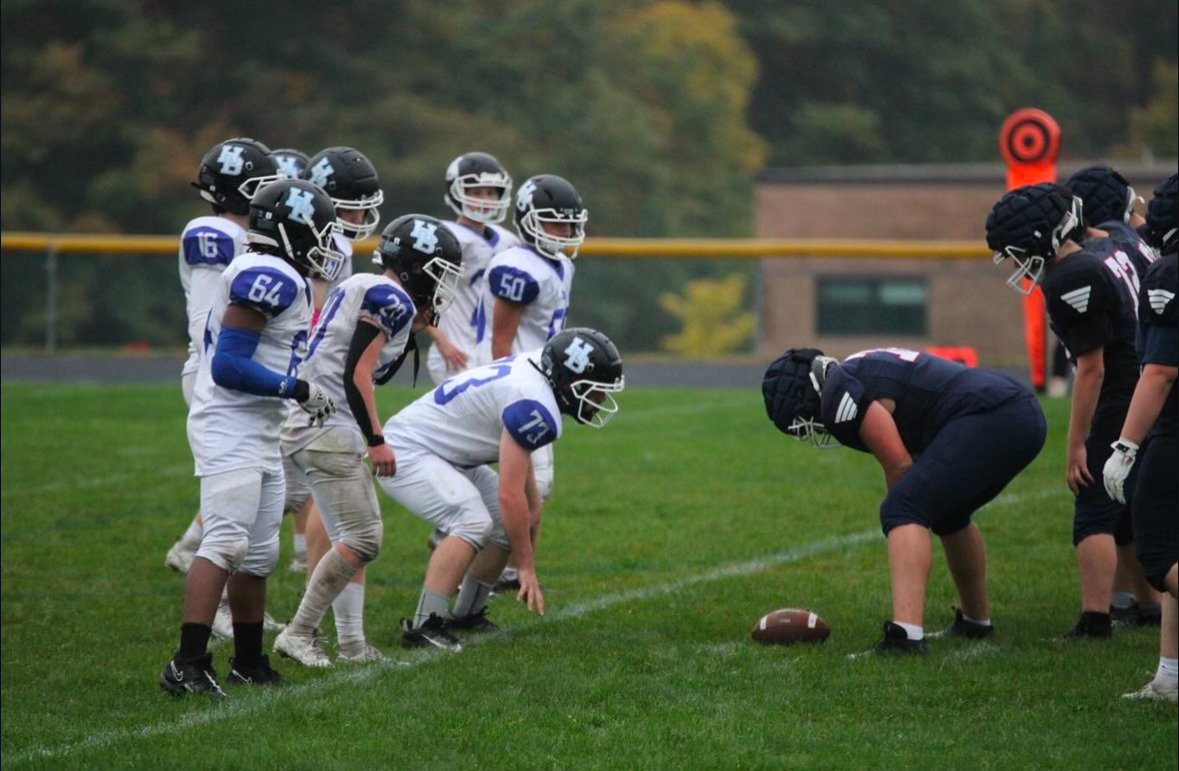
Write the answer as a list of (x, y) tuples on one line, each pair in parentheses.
[(233, 171), (1105, 195), (475, 169), (351, 180), (1162, 215), (296, 220), (792, 388), (292, 163), (585, 371), (1028, 225), (549, 198), (426, 257)]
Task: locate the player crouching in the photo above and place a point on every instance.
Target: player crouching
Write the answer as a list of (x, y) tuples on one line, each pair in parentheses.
[(445, 441), (362, 336), (256, 329)]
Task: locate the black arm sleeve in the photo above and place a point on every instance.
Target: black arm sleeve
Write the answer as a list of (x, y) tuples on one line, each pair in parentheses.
[(362, 338)]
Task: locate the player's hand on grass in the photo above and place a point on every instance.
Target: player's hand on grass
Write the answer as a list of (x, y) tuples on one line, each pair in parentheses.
[(315, 401), (530, 592), (383, 460), (1077, 469)]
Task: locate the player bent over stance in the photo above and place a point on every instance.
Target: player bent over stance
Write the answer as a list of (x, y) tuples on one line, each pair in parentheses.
[(362, 335), (1155, 408), (445, 440), (949, 439), (254, 336)]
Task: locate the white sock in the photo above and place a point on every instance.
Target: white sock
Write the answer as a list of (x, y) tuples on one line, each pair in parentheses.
[(1168, 669), (1121, 600), (300, 546), (431, 602), (331, 576), (472, 596), (980, 622), (191, 540), (915, 632), (509, 574), (348, 608)]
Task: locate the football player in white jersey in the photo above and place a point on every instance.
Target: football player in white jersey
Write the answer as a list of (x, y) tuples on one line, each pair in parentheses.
[(479, 190), (502, 412), (362, 335), (527, 288), (253, 341), (228, 175)]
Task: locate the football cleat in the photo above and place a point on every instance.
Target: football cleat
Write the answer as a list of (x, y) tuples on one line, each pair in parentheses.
[(361, 653), (1135, 616), (298, 565), (896, 642), (1091, 626), (270, 625), (257, 674), (968, 630), (193, 676), (304, 649), (223, 621), (179, 557), (474, 622), (432, 633), (509, 581), (1156, 691)]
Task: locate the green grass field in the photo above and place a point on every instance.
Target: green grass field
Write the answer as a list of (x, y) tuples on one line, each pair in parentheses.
[(669, 534)]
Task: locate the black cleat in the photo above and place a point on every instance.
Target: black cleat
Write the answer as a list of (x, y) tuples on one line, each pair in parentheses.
[(257, 674), (896, 642), (474, 622), (968, 630), (509, 581), (430, 634), (1091, 626), (1136, 615), (193, 676)]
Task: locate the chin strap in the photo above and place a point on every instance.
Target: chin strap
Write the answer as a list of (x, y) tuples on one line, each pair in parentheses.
[(391, 370)]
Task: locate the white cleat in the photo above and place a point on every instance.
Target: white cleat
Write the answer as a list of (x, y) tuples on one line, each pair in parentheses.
[(270, 625), (363, 653), (301, 648), (223, 621), (1156, 691), (179, 558), (298, 565)]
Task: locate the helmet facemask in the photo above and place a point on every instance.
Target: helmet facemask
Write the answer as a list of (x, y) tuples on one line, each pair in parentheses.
[(483, 210), (1030, 267), (446, 276), (549, 244), (322, 259), (357, 232), (595, 400)]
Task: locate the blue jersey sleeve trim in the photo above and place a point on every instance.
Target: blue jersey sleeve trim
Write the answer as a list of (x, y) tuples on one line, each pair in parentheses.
[(208, 246), (513, 284), (389, 307), (530, 423), (263, 289), (233, 366)]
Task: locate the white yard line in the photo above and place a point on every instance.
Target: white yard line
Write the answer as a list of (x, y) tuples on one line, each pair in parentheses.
[(87, 483), (260, 702)]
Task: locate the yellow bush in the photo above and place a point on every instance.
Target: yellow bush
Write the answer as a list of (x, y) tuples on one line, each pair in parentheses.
[(710, 312)]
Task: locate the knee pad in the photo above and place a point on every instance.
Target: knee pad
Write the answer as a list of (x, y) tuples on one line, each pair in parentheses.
[(365, 542), (261, 559), (474, 530), (226, 553)]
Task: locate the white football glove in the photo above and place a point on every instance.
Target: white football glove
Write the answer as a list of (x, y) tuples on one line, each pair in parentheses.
[(317, 404), (1117, 468)]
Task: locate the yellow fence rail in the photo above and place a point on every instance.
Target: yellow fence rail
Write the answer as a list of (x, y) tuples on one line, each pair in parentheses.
[(55, 244)]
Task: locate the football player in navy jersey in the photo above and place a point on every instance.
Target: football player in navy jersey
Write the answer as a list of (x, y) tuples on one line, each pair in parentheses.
[(1107, 206), (1153, 418), (252, 345), (949, 438), (1091, 291)]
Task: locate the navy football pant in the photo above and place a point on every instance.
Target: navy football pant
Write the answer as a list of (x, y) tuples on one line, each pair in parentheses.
[(1094, 512), (970, 460), (1156, 509)]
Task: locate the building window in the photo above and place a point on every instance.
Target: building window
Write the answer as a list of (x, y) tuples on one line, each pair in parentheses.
[(875, 305)]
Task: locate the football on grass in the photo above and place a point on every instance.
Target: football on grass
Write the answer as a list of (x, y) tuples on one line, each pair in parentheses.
[(790, 625)]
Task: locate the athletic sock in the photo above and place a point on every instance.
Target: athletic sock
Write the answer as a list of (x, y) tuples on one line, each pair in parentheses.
[(191, 540), (247, 643), (331, 576), (431, 602), (472, 596), (348, 608), (1122, 600), (194, 640), (980, 622), (509, 574), (300, 546), (914, 631), (1168, 669)]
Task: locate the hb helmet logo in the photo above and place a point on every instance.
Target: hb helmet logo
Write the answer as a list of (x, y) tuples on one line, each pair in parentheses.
[(288, 165), (424, 235), (302, 210), (577, 356), (321, 171), (230, 159), (524, 195)]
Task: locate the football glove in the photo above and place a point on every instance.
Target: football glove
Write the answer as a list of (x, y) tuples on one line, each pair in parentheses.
[(1117, 468), (318, 404)]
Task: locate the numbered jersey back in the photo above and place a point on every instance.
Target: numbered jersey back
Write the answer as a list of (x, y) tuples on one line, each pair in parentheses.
[(541, 285), (463, 419), (207, 246), (230, 429)]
